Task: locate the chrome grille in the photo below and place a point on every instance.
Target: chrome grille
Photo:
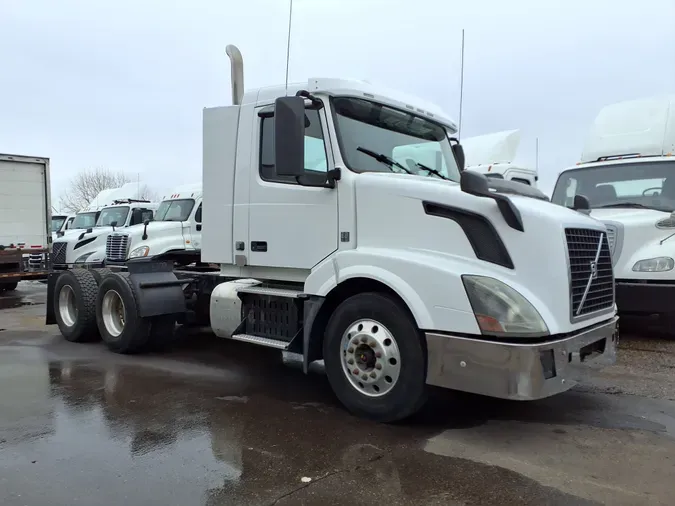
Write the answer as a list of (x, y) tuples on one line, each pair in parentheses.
[(591, 274), (59, 249), (117, 247)]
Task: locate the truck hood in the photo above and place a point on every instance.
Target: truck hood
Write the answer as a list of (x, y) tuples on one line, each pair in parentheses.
[(394, 213), (162, 236), (633, 236)]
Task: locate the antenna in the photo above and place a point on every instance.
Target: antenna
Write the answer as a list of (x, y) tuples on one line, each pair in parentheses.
[(536, 154), (461, 89), (288, 40)]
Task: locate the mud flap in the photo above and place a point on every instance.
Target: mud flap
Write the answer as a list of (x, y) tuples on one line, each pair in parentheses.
[(51, 283), (158, 290)]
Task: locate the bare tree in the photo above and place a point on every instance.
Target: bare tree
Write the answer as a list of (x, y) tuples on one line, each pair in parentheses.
[(90, 182)]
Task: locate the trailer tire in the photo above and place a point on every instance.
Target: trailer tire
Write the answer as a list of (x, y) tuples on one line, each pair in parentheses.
[(375, 358), (122, 329), (8, 287), (75, 305)]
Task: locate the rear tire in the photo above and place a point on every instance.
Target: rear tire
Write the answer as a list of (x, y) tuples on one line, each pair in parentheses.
[(8, 287), (162, 333), (375, 358), (121, 327), (75, 305), (99, 274)]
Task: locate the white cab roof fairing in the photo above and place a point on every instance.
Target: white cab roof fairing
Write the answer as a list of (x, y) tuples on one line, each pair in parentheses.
[(355, 88), (185, 191), (497, 147), (644, 127)]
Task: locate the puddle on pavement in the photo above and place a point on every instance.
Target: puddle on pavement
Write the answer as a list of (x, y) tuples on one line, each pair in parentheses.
[(92, 432), (15, 302)]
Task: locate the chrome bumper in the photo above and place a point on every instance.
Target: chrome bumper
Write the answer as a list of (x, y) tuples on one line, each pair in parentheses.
[(519, 371)]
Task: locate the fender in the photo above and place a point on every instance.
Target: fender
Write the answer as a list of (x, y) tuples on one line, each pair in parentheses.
[(429, 282), (158, 290)]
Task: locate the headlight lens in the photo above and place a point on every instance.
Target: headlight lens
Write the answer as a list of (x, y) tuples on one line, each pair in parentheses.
[(83, 258), (501, 310), (140, 252), (658, 264)]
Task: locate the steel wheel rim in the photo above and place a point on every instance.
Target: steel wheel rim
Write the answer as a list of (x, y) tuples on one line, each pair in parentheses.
[(113, 313), (370, 359), (67, 305)]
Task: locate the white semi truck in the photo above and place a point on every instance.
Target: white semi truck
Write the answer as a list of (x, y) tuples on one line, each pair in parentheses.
[(80, 245), (491, 154), (627, 172), (175, 233), (494, 155), (396, 281), (25, 218)]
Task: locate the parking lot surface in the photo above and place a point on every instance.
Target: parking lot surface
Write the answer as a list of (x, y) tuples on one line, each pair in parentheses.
[(214, 422)]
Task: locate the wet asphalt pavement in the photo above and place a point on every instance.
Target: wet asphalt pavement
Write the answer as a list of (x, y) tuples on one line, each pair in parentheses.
[(223, 423)]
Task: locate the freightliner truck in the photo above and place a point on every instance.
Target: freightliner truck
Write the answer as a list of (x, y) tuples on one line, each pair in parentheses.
[(397, 281)]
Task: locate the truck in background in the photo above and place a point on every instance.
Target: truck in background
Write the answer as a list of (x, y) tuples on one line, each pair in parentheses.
[(81, 246), (490, 154), (174, 234), (627, 172), (397, 282), (25, 218), (494, 155)]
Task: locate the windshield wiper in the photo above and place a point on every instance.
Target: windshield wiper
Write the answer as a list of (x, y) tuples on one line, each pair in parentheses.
[(432, 171), (389, 162), (624, 204)]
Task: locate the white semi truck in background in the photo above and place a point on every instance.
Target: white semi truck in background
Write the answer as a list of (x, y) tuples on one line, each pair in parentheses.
[(121, 208), (490, 154), (397, 282), (627, 172), (25, 219), (175, 233)]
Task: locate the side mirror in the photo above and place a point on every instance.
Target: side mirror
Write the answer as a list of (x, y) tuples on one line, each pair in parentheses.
[(113, 224), (474, 183), (458, 152), (581, 203), (146, 222), (289, 136)]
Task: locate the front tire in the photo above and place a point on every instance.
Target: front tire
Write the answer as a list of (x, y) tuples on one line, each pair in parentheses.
[(8, 287), (75, 305), (375, 358), (122, 329)]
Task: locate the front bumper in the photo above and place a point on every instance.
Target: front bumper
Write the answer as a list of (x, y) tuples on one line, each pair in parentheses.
[(519, 371), (634, 297)]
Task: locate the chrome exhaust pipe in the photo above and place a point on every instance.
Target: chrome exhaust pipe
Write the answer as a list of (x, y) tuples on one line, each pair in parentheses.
[(237, 73)]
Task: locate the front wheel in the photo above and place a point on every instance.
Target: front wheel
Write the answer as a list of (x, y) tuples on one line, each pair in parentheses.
[(375, 358)]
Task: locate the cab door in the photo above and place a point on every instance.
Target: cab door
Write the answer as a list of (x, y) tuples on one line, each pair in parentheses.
[(196, 229), (290, 226)]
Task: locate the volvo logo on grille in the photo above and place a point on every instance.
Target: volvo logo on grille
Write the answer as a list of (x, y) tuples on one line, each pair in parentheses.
[(594, 273), (594, 269)]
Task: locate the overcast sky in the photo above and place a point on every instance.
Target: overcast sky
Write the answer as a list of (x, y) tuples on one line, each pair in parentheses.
[(122, 84)]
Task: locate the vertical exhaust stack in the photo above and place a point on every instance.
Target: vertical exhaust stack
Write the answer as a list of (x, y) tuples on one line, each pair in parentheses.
[(237, 72)]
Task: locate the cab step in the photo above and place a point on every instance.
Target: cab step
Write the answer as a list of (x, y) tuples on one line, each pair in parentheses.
[(274, 292), (262, 341)]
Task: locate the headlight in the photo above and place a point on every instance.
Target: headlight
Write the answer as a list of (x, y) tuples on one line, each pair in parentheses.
[(658, 264), (140, 252), (501, 310), (83, 258)]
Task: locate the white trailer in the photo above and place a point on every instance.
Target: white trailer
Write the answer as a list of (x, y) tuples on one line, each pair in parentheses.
[(397, 282), (25, 218), (627, 173)]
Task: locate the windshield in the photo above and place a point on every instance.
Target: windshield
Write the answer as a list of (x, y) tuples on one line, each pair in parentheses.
[(109, 214), (85, 220), (413, 143), (57, 223), (174, 210), (646, 184)]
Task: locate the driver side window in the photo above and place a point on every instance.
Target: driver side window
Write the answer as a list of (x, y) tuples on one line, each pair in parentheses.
[(316, 159)]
